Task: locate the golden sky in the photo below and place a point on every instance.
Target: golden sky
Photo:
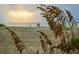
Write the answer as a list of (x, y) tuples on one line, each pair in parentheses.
[(20, 15)]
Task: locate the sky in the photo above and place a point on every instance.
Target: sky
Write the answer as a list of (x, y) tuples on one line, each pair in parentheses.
[(11, 14)]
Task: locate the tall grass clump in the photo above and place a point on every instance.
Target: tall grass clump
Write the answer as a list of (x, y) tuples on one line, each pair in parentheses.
[(57, 20)]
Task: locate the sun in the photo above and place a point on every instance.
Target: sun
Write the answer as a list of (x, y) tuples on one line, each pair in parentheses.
[(21, 15)]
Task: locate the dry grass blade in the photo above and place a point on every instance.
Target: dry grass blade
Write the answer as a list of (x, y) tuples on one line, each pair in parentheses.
[(71, 22), (19, 44), (45, 37), (45, 42)]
